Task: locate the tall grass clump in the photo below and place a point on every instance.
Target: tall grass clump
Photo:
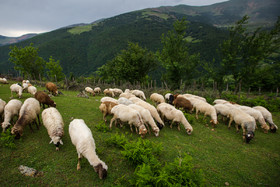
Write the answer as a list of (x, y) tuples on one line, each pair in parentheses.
[(7, 139)]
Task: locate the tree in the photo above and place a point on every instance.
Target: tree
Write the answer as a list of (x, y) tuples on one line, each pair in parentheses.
[(54, 70), (27, 61), (132, 65), (174, 56)]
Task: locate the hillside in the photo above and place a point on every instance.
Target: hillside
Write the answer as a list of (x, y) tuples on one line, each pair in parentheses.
[(11, 40)]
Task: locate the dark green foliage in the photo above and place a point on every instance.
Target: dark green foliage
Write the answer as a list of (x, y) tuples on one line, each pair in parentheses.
[(54, 70), (117, 140), (7, 139), (102, 127)]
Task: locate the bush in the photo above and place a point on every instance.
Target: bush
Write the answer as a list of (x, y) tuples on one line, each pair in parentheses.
[(102, 127), (117, 140), (7, 139)]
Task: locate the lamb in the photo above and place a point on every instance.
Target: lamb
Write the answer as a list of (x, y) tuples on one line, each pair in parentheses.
[(32, 90), (246, 121), (44, 98), (139, 93), (51, 87), (157, 98), (105, 108), (16, 88), (176, 116), (82, 139), (109, 92), (103, 99), (182, 102), (129, 115), (2, 106), (125, 101), (257, 115), (11, 109), (169, 98), (90, 90), (207, 110), (267, 116), (53, 122), (147, 117), (97, 90), (27, 115)]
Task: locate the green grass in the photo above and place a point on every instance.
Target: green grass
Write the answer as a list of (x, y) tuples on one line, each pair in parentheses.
[(220, 153), (80, 29)]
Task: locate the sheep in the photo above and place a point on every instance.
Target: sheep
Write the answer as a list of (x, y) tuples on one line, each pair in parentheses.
[(152, 110), (90, 90), (11, 109), (16, 88), (246, 121), (3, 81), (44, 98), (182, 102), (220, 101), (24, 86), (207, 110), (2, 106), (139, 93), (97, 90), (176, 116), (147, 117), (169, 98), (53, 122), (25, 81), (129, 115), (51, 87), (82, 139), (127, 95), (103, 99), (125, 101), (267, 116), (32, 90), (27, 115), (109, 92), (195, 96), (105, 108), (222, 109), (157, 98), (117, 91)]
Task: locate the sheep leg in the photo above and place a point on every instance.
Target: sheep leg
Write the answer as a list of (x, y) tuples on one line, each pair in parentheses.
[(79, 159), (236, 126), (11, 95), (104, 117), (244, 133), (111, 122), (230, 121), (179, 127), (39, 122), (148, 128), (196, 114), (31, 127)]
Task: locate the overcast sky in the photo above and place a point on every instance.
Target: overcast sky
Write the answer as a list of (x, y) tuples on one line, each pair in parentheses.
[(18, 17)]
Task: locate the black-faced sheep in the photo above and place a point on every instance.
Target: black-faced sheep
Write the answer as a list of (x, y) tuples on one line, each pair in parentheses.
[(169, 98), (44, 99)]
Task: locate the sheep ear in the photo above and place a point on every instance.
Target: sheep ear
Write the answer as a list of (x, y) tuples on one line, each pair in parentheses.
[(51, 141), (61, 142)]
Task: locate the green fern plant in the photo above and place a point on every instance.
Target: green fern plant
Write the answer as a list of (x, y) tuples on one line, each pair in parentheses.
[(7, 139)]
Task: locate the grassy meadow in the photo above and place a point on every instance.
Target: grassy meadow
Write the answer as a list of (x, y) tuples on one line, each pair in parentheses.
[(220, 153)]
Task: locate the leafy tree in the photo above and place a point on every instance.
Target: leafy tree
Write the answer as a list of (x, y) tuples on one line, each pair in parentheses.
[(132, 64), (176, 60), (54, 70), (27, 61)]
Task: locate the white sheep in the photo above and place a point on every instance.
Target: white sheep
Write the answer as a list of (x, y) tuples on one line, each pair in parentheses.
[(27, 115), (24, 86), (109, 92), (11, 109), (103, 99), (106, 107), (222, 109), (97, 90), (3, 81), (127, 91), (16, 88), (53, 122), (157, 98), (117, 91), (32, 90), (220, 101), (125, 101), (82, 139), (267, 116), (2, 106), (176, 116), (90, 90), (139, 93), (147, 117), (246, 121), (194, 96), (127, 95), (207, 110), (129, 115)]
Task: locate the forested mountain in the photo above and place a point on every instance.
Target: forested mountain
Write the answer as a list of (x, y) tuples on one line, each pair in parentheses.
[(82, 49), (10, 40)]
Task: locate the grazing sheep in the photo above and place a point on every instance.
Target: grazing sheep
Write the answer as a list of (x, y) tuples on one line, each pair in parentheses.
[(207, 110), (220, 101), (90, 90), (169, 98), (2, 106), (222, 109), (53, 122), (176, 116), (11, 109), (117, 91), (16, 88), (127, 95), (27, 115), (44, 98), (157, 98), (32, 90), (139, 93), (125, 101), (195, 96), (129, 115), (109, 92), (147, 117), (267, 116), (246, 121), (182, 102), (82, 139), (103, 99), (97, 90), (51, 87), (106, 107), (3, 81), (24, 86)]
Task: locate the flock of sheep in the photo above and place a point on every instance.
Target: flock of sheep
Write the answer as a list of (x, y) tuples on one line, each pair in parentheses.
[(131, 108)]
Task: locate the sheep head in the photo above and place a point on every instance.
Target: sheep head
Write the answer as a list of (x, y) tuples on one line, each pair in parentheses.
[(18, 131), (142, 131), (156, 131), (102, 172), (56, 141), (189, 131), (249, 136), (160, 126)]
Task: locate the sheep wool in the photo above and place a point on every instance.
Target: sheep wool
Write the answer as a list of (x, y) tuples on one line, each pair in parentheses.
[(82, 139), (103, 99), (17, 89), (53, 122), (157, 98), (32, 90), (2, 106), (11, 109), (90, 90), (267, 116)]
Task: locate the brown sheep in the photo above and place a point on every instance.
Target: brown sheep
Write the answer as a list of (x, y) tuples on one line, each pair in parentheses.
[(43, 99), (52, 88), (106, 107), (181, 102)]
